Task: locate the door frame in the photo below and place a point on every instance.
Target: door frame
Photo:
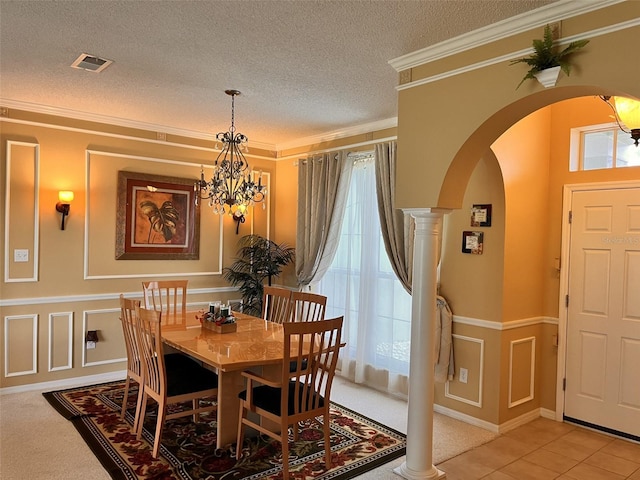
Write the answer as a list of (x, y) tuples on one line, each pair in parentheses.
[(567, 192)]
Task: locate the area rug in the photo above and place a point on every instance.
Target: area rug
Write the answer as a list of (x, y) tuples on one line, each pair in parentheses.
[(188, 450)]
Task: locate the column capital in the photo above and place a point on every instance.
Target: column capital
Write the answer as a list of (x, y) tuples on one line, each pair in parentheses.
[(426, 212)]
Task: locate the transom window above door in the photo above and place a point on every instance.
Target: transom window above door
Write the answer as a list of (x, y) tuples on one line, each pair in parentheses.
[(597, 147)]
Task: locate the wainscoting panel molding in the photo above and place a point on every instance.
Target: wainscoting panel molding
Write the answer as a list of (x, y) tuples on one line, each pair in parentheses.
[(110, 345), (478, 363), (21, 332), (100, 221), (522, 351), (60, 341), (22, 203)]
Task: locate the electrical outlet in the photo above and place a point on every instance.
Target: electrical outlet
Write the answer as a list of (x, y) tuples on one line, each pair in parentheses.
[(91, 345), (20, 255), (464, 373)]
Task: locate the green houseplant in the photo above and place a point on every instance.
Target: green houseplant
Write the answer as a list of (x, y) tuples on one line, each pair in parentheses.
[(547, 54), (258, 259)]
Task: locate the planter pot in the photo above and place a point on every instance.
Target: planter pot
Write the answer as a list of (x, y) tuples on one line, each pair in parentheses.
[(548, 77)]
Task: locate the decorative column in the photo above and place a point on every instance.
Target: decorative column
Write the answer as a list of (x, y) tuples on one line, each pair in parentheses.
[(419, 461)]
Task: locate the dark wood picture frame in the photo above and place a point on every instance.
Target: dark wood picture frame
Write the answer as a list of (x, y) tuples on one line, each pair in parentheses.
[(481, 215), (157, 218), (472, 242)]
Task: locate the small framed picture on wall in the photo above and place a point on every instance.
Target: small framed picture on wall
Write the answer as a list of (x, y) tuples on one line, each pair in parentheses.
[(481, 215), (472, 242)]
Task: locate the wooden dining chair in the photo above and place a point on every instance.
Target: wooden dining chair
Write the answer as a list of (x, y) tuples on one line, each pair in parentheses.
[(184, 381), (275, 304), (306, 307), (134, 361), (168, 297), (302, 394)]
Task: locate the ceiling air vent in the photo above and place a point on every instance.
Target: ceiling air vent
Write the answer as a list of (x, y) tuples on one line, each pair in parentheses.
[(91, 63)]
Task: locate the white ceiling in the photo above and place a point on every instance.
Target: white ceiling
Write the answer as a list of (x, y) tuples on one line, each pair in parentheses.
[(304, 67)]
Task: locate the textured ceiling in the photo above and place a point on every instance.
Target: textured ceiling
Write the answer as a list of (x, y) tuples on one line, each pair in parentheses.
[(304, 67)]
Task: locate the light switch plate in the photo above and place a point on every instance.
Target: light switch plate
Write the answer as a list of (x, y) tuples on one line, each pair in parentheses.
[(20, 255), (464, 374), (91, 345)]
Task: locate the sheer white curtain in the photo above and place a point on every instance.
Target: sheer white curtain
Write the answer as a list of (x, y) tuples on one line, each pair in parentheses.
[(361, 285)]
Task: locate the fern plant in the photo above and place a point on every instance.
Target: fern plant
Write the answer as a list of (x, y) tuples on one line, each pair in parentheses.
[(258, 259), (547, 54)]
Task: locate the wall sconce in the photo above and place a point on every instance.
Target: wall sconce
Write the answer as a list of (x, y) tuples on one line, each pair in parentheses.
[(65, 197), (238, 216), (627, 114)]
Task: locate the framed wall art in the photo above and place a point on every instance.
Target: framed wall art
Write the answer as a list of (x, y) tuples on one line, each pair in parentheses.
[(157, 218), (481, 215), (472, 242)]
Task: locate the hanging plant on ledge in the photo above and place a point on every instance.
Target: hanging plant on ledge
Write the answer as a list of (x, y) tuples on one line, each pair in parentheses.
[(548, 59)]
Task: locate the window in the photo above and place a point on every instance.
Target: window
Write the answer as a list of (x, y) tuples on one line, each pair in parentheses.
[(361, 285), (603, 146)]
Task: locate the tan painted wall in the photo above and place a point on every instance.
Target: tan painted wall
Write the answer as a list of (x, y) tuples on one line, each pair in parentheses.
[(70, 159), (473, 284)]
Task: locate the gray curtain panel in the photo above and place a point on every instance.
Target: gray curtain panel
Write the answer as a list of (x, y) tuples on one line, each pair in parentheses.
[(323, 186), (397, 228)]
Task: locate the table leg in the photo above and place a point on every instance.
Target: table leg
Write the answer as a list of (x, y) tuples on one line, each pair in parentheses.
[(230, 384)]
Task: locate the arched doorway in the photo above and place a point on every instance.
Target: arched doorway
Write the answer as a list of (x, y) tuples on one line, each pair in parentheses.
[(533, 155)]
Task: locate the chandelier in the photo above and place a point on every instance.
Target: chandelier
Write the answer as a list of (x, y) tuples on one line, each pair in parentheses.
[(627, 114), (232, 187)]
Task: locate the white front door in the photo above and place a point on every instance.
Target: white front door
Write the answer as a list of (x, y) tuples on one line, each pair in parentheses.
[(603, 316)]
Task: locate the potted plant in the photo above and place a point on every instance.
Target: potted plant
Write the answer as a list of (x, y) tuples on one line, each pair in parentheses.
[(548, 59), (258, 259)]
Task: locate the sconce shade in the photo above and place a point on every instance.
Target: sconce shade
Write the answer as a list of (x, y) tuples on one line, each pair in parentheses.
[(65, 196), (628, 112)]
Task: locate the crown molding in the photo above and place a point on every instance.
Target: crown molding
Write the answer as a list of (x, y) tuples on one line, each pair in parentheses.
[(634, 22), (300, 142), (499, 30), (338, 134), (120, 122)]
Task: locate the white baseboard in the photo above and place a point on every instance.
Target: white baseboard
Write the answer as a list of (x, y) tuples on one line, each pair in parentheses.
[(546, 413), (66, 383), (492, 427), (519, 421), (463, 417)]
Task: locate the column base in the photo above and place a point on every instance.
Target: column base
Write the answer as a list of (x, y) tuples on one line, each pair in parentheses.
[(432, 474)]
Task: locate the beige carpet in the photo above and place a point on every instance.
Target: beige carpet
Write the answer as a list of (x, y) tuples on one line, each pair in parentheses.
[(37, 443)]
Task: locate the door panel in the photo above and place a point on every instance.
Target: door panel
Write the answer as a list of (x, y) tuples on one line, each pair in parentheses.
[(603, 317)]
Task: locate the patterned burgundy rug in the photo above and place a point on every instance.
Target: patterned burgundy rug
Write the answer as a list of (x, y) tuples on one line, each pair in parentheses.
[(188, 449)]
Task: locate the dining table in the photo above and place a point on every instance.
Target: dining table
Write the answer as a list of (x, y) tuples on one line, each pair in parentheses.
[(256, 344)]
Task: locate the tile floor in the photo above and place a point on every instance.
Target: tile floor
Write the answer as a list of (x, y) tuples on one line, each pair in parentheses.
[(544, 449)]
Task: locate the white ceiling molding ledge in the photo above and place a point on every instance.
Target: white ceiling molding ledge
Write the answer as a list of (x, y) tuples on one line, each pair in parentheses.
[(499, 30), (521, 53), (120, 122), (338, 134)]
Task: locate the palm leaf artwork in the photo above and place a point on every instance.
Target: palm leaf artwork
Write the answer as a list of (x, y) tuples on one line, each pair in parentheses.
[(547, 54), (163, 220), (258, 259)]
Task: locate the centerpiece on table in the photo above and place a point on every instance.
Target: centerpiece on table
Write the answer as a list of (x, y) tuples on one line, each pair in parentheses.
[(219, 318)]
